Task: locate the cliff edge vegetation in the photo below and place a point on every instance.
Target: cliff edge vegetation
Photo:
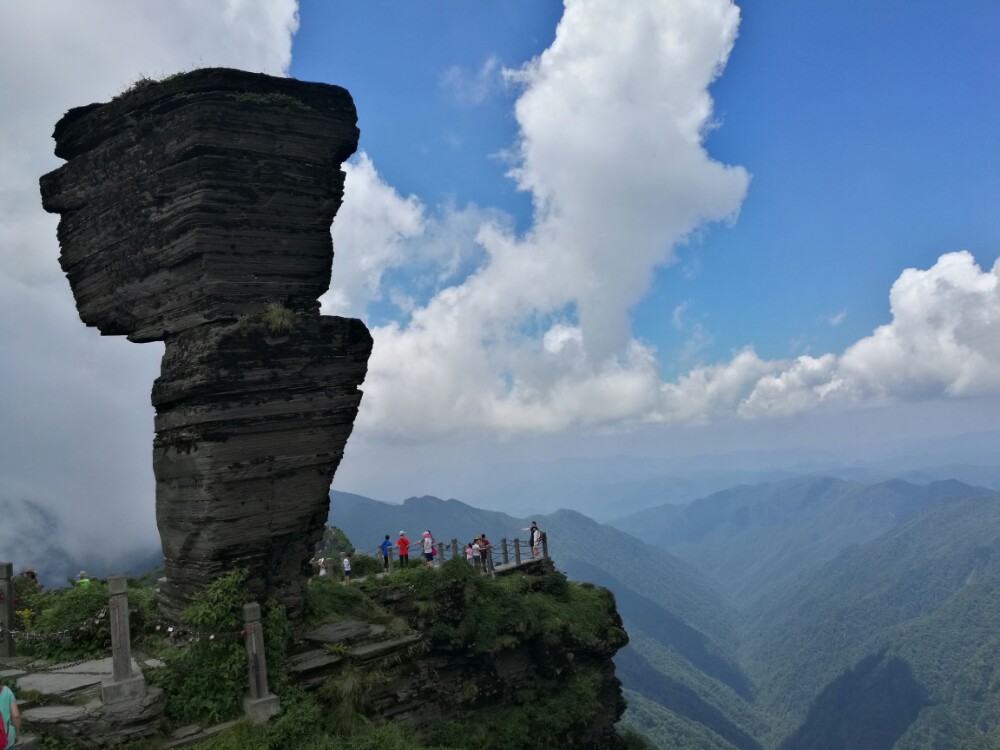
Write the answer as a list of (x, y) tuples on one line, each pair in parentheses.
[(421, 658)]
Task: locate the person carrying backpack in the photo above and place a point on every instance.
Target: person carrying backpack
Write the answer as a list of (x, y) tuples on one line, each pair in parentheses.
[(10, 718)]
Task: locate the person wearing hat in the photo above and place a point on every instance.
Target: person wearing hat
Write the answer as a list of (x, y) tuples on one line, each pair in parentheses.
[(403, 545), (428, 543), (31, 576), (81, 579)]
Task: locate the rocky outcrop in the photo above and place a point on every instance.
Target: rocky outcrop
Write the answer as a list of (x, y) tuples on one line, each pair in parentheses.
[(196, 211), (70, 705), (465, 675)]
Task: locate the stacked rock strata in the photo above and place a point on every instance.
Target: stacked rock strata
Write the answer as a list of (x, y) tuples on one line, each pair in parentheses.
[(197, 211)]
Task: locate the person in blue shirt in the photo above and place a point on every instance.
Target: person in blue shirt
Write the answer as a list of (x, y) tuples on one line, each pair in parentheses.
[(386, 544)]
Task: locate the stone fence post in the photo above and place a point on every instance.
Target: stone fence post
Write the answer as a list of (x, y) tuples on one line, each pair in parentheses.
[(545, 546), (260, 705), (390, 558), (123, 685), (517, 551), (503, 551), (440, 549), (454, 548), (6, 608)]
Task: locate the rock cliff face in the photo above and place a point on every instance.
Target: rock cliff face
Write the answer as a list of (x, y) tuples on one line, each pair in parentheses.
[(523, 662), (196, 211)]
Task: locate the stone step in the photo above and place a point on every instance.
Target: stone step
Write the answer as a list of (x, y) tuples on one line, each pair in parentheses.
[(311, 661), (188, 735), (372, 651), (114, 724), (68, 684), (311, 669), (343, 631)]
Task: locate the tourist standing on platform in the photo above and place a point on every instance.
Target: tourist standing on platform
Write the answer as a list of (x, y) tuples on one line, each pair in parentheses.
[(403, 545), (534, 537), (485, 552), (428, 542), (347, 569), (386, 544)]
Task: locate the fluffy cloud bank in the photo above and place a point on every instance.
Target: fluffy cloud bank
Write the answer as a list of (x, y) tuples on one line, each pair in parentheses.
[(535, 336), (944, 340), (440, 374)]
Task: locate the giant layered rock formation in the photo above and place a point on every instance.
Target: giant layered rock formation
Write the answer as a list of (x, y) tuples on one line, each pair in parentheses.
[(197, 211)]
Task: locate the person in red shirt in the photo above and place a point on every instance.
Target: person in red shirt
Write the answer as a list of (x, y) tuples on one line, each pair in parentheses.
[(403, 545)]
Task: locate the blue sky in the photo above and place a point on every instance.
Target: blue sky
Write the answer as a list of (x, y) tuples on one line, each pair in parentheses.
[(641, 229), (869, 131)]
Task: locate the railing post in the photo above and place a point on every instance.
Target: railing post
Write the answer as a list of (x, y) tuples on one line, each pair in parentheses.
[(123, 685), (440, 549), (545, 546), (454, 549), (517, 551), (390, 558), (260, 705), (503, 551), (6, 608)]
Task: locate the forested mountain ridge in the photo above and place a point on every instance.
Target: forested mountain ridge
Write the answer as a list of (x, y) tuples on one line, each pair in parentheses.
[(753, 541), (918, 608)]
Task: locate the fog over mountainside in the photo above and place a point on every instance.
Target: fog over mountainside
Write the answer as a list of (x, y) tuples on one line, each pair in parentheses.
[(608, 479)]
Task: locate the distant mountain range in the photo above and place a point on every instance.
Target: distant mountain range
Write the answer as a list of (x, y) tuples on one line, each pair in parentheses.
[(608, 486), (753, 541)]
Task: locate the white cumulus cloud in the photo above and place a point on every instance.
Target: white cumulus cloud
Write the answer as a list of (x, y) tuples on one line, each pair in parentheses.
[(612, 118), (943, 341)]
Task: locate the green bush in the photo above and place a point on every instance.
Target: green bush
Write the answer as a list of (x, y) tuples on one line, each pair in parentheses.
[(547, 717), (205, 680), (328, 599), (365, 565), (69, 623), (302, 723)]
